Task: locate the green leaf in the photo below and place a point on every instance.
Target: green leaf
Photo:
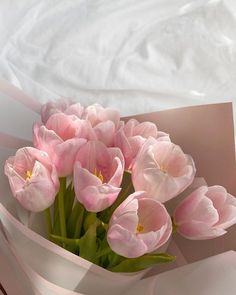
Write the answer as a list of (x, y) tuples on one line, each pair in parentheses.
[(73, 218), (79, 223), (88, 244), (142, 262)]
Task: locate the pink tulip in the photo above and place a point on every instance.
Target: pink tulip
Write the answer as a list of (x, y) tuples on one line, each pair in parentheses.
[(61, 138), (98, 174), (54, 107), (97, 114), (104, 121), (138, 226), (33, 178), (162, 170), (75, 109), (206, 213), (132, 135)]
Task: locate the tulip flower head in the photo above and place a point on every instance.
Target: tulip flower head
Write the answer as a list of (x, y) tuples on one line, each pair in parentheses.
[(162, 170), (105, 122), (131, 137), (33, 178), (98, 173), (138, 226), (61, 138), (206, 213), (54, 107)]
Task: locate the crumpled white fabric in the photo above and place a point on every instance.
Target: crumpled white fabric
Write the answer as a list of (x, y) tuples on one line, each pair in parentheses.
[(135, 55)]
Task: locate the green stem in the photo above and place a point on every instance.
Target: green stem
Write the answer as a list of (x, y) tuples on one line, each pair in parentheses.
[(174, 226), (114, 259), (61, 207), (55, 212), (79, 223), (69, 242), (103, 252), (47, 215)]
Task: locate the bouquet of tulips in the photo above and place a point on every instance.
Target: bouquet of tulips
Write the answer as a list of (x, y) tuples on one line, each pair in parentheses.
[(102, 184)]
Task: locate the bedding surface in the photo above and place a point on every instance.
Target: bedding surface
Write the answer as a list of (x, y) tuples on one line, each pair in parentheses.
[(136, 55)]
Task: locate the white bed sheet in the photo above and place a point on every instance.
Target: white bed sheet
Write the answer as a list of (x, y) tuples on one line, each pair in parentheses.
[(136, 55)]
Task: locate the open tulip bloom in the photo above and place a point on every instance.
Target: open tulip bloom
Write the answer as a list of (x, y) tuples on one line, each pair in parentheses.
[(103, 183)]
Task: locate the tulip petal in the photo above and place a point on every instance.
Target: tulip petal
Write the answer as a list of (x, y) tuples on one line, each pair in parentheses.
[(122, 142), (84, 178), (64, 155), (129, 205), (75, 109), (63, 125), (146, 129), (129, 221), (117, 167), (227, 217), (90, 191), (129, 127), (125, 243), (218, 195), (195, 230), (185, 209), (94, 154), (105, 132), (227, 213), (98, 198), (43, 138), (151, 240), (52, 107)]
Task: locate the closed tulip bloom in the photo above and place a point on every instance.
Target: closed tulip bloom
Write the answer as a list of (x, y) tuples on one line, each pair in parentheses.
[(206, 213), (33, 179), (138, 226), (61, 138), (53, 107), (162, 170), (97, 114), (105, 122), (132, 135), (98, 173)]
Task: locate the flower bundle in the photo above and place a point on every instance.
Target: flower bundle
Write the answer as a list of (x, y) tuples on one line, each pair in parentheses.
[(102, 184)]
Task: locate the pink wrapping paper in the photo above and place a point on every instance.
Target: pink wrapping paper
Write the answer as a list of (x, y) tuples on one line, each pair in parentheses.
[(207, 133)]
